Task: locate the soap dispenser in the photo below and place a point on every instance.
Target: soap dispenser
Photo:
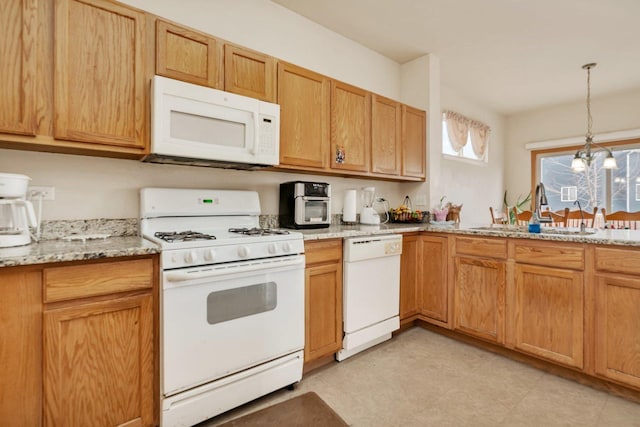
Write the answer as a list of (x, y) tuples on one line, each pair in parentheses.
[(534, 223)]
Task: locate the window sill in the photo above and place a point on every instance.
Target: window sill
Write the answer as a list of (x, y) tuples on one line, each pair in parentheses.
[(465, 160)]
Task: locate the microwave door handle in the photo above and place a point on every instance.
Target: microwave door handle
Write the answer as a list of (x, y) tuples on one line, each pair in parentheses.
[(314, 199), (256, 129)]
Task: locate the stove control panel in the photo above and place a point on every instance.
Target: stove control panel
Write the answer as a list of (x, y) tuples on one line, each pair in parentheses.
[(181, 258)]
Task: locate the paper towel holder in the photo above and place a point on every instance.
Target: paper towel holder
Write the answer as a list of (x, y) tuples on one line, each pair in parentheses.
[(349, 207)]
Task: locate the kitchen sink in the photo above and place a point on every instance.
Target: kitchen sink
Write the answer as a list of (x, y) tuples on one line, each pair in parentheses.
[(543, 230)]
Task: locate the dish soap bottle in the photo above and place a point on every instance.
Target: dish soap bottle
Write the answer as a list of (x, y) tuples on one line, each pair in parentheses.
[(534, 224)]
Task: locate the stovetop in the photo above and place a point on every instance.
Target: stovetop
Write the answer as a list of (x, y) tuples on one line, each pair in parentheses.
[(201, 227)]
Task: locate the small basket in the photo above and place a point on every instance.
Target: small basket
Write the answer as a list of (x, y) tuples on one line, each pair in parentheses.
[(396, 215)]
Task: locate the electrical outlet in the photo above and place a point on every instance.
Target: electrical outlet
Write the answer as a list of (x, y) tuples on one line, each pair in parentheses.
[(421, 200), (37, 192)]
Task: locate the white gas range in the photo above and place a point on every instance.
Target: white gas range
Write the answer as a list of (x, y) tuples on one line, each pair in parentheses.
[(232, 301)]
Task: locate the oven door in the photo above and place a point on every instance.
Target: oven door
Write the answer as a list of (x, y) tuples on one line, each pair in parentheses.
[(222, 319)]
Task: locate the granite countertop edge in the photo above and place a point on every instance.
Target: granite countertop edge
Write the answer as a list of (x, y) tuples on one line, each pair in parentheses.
[(55, 251), (601, 237)]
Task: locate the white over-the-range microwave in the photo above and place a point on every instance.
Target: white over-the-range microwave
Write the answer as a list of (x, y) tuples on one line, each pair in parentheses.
[(200, 126)]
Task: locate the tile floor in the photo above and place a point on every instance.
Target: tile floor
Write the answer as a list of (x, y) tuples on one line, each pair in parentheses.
[(420, 378)]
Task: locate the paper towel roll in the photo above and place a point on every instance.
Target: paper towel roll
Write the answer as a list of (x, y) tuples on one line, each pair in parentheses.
[(349, 207)]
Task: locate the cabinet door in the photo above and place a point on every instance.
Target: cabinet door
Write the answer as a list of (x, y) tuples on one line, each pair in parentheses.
[(249, 73), (409, 277), (479, 297), (323, 310), (548, 313), (350, 128), (99, 363), (617, 334), (385, 136), (433, 289), (20, 348), (187, 55), (99, 83), (304, 117), (18, 66), (414, 142)]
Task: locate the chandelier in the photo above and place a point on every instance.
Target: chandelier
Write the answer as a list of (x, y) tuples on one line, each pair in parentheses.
[(585, 156)]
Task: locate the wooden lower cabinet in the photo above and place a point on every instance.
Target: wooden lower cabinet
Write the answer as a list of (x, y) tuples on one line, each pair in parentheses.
[(617, 327), (323, 299), (433, 290), (409, 278), (99, 363), (546, 312), (20, 347), (423, 279), (479, 290)]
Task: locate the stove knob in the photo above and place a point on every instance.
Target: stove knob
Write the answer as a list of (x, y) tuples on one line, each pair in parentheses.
[(243, 252), (210, 255), (272, 248), (286, 247), (190, 257)]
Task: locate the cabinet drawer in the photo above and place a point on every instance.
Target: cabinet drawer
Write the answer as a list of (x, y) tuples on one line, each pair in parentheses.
[(552, 255), (80, 281), (617, 260), (323, 251), (482, 247)]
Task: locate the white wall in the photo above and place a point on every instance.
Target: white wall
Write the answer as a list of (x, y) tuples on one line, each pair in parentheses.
[(611, 113), (476, 186)]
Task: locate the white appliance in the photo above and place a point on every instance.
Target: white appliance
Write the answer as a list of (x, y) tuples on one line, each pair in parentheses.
[(200, 126), (16, 213), (369, 215), (232, 301), (371, 291)]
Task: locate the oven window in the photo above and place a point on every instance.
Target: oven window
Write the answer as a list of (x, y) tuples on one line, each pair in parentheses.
[(315, 211), (240, 302)]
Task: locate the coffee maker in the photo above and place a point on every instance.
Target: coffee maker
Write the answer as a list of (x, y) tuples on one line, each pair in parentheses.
[(16, 213)]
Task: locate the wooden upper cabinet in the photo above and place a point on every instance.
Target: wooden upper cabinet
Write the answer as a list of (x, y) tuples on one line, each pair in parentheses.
[(249, 73), (414, 146), (100, 94), (18, 66), (187, 55), (304, 117), (385, 136), (350, 128)]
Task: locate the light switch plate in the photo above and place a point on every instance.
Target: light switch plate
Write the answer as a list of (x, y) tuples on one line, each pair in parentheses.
[(421, 200)]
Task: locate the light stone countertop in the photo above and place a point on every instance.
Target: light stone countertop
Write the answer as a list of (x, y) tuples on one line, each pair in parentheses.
[(600, 237), (52, 251)]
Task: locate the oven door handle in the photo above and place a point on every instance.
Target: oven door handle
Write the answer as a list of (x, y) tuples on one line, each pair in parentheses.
[(259, 265)]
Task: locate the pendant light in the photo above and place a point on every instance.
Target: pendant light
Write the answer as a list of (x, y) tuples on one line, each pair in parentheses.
[(585, 156)]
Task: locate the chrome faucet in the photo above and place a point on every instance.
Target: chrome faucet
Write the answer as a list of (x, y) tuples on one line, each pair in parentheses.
[(541, 200), (583, 226)]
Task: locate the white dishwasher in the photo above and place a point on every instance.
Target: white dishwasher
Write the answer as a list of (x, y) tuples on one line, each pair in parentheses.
[(371, 291)]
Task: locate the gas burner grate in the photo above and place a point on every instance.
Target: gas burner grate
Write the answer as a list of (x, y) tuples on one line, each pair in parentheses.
[(255, 231), (182, 236)]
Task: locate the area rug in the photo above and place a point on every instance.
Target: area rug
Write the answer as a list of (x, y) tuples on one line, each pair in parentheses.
[(306, 410)]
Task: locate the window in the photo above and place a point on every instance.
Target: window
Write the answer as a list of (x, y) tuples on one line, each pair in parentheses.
[(464, 138), (613, 189), (569, 194)]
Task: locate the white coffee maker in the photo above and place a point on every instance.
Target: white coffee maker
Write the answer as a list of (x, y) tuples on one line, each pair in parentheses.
[(16, 213)]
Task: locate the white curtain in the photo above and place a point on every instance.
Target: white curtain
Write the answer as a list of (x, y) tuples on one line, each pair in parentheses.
[(458, 129)]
